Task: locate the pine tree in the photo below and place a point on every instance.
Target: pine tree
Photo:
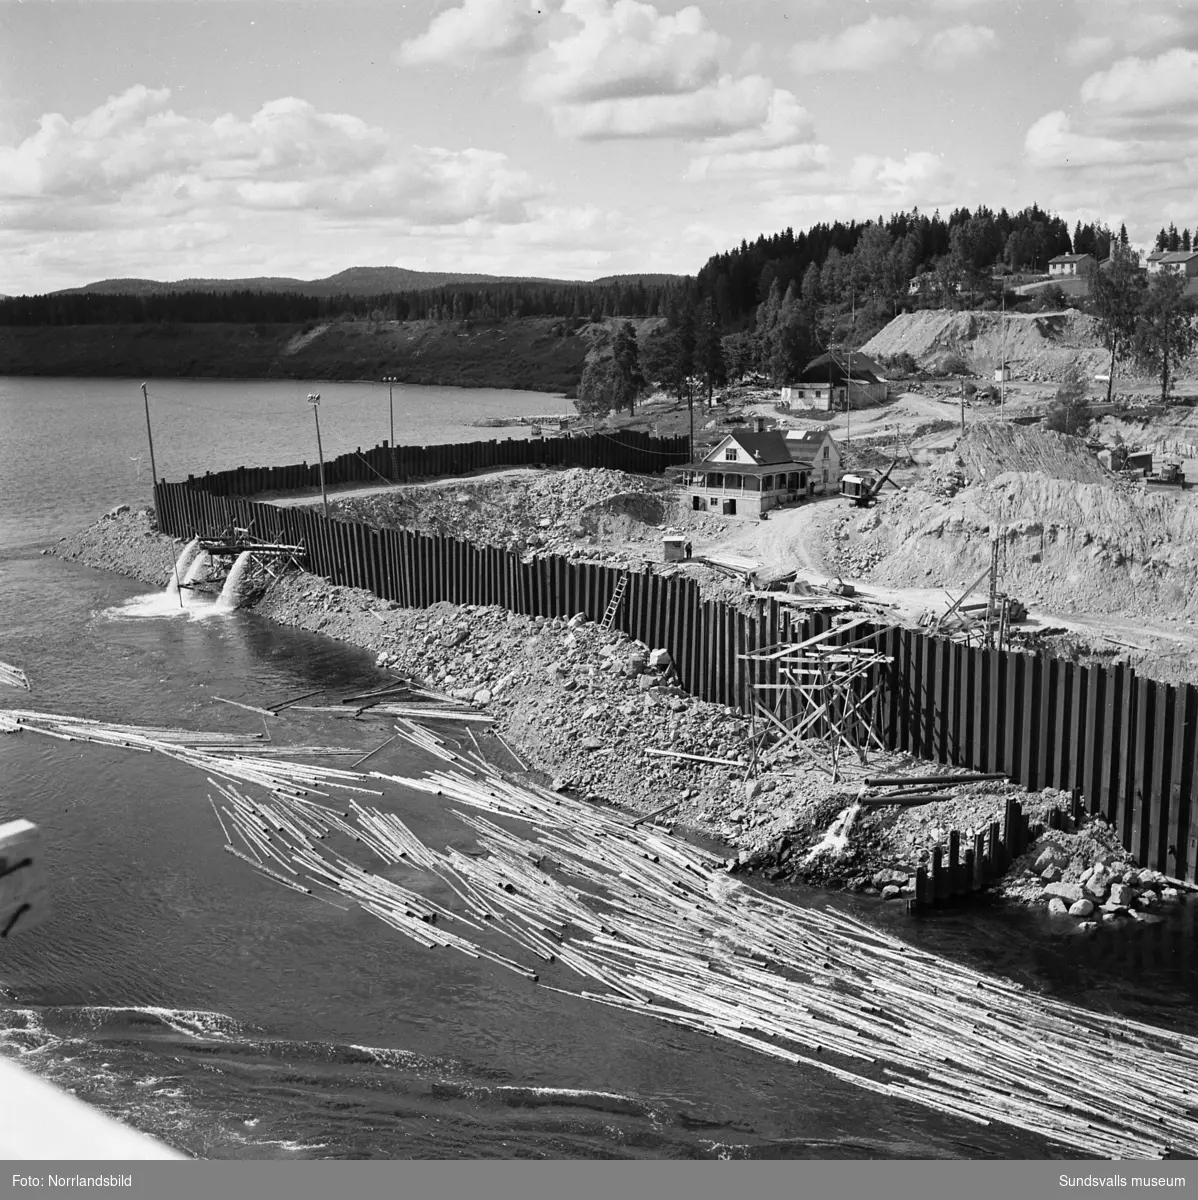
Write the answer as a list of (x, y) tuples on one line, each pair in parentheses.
[(711, 351), (627, 379), (1122, 235), (1185, 239)]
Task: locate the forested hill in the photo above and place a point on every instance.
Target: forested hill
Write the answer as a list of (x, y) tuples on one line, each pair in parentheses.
[(888, 254), (356, 281), (627, 296)]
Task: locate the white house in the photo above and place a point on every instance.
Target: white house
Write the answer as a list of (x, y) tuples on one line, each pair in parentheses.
[(746, 474), (819, 448), (1183, 261), (1070, 264)]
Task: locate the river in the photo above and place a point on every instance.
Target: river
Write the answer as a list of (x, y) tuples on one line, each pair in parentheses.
[(182, 992)]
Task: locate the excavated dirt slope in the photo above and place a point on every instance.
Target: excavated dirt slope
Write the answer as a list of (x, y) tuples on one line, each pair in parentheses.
[(1072, 537), (1034, 346), (555, 510)]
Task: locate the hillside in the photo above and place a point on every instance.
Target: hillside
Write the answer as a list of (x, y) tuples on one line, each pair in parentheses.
[(1040, 344), (355, 281), (533, 353)]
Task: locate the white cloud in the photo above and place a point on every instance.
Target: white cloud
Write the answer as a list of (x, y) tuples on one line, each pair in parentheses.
[(727, 106), (914, 179), (959, 44), (1130, 26), (783, 143), (625, 49), (859, 47), (134, 161), (1167, 84), (1053, 142), (486, 28)]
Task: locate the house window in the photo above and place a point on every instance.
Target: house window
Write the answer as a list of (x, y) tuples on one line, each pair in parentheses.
[(825, 451), (825, 474), (713, 502), (730, 454)]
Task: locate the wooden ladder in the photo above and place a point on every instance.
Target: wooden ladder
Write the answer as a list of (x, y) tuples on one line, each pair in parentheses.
[(613, 607)]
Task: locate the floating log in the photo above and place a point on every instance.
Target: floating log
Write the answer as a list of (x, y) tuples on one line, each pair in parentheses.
[(266, 712)]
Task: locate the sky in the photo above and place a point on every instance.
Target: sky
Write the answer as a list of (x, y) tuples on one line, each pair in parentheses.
[(566, 138)]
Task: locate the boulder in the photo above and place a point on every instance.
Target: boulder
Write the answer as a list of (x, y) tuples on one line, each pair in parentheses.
[(660, 660), (592, 743), (482, 696), (891, 892), (1051, 873), (1120, 895), (645, 682), (753, 789), (1057, 907), (457, 637), (577, 619), (1071, 892), (1081, 908)]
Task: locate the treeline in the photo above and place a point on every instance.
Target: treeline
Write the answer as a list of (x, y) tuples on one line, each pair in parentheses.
[(456, 302), (886, 255)]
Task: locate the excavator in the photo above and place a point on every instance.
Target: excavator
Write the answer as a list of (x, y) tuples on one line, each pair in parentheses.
[(862, 492)]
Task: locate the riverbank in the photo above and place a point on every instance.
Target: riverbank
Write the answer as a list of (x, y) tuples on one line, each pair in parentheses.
[(601, 715), (540, 354)]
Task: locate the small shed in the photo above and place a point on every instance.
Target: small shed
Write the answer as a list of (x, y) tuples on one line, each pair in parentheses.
[(1002, 374), (1140, 460), (674, 548)]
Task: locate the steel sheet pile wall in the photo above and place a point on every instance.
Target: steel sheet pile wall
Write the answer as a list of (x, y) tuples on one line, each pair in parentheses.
[(625, 450), (1128, 744)]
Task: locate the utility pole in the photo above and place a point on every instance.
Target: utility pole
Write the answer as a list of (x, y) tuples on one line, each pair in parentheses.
[(314, 400), (1002, 378), (962, 405), (145, 395), (391, 381)]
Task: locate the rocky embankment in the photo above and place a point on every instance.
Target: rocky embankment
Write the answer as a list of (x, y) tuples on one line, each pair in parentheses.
[(602, 715), (1088, 876)]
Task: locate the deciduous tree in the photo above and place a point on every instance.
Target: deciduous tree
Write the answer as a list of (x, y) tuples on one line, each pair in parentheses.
[(1116, 294), (1165, 331)]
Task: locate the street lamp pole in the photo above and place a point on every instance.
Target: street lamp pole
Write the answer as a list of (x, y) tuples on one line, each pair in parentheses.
[(314, 400), (145, 395)]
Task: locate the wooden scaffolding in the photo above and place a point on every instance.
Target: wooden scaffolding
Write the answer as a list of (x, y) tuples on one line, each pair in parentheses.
[(825, 689)]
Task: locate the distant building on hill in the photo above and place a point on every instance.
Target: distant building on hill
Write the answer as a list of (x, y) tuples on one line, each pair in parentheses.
[(1183, 261), (836, 381), (1065, 265), (747, 474)]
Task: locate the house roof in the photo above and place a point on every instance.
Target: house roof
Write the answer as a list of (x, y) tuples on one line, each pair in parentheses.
[(831, 366), (809, 437), (1178, 256), (732, 468), (763, 448), (1069, 258)]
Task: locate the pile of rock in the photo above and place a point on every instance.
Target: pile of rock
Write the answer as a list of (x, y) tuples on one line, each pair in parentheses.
[(1087, 875)]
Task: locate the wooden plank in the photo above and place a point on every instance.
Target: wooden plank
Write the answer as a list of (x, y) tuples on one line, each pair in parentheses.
[(1181, 780), (1156, 852), (1132, 818)]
